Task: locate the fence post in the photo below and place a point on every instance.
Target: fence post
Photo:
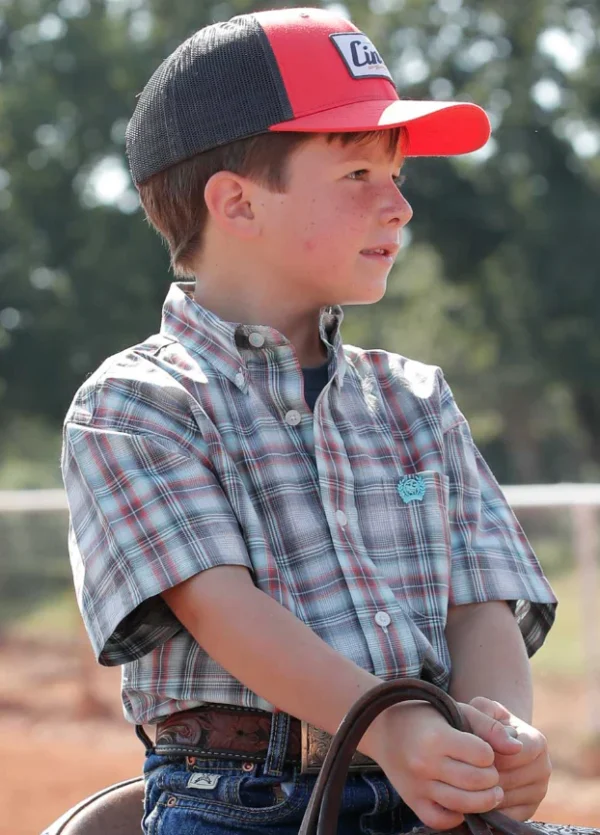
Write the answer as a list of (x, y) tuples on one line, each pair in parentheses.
[(586, 541)]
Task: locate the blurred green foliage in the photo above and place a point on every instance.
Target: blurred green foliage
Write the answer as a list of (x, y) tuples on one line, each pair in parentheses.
[(499, 285)]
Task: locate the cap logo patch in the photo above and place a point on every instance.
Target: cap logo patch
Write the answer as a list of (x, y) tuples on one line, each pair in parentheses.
[(360, 56)]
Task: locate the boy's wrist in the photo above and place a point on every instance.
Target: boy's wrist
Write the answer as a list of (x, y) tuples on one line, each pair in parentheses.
[(383, 731)]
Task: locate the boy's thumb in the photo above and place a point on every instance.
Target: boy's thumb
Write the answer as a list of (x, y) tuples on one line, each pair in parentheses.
[(491, 729), (491, 708)]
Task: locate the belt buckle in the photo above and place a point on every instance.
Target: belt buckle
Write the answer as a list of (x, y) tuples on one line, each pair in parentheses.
[(314, 745)]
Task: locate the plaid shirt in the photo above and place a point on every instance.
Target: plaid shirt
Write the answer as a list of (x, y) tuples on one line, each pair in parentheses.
[(366, 518)]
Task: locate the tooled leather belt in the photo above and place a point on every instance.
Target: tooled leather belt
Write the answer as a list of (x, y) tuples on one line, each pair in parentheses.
[(239, 733)]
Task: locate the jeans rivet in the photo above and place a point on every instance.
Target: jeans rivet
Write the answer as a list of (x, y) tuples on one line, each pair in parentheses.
[(191, 760), (247, 766), (172, 801)]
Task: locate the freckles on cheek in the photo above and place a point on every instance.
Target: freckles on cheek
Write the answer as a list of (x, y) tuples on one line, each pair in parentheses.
[(315, 242), (352, 213), (313, 235)]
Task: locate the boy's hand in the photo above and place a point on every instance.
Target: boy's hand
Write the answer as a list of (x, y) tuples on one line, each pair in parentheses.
[(441, 773), (524, 775)]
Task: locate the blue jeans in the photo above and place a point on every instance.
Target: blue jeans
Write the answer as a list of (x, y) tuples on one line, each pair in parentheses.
[(197, 796), (187, 796)]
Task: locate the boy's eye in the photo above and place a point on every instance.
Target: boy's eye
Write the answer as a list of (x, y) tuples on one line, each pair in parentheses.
[(356, 175), (363, 172)]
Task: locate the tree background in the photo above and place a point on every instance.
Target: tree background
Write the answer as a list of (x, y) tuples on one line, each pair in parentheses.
[(498, 284)]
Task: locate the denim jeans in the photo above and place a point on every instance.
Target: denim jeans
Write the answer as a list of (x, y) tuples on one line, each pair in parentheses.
[(187, 796)]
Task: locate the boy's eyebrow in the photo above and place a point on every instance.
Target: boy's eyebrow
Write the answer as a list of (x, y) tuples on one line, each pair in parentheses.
[(397, 162), (356, 152)]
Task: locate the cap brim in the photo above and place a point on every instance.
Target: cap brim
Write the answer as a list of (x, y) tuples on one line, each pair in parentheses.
[(434, 128)]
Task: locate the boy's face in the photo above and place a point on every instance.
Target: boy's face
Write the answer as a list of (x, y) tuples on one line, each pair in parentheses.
[(341, 205)]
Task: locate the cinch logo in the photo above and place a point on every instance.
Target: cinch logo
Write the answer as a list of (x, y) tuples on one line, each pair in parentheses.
[(360, 56), (363, 55)]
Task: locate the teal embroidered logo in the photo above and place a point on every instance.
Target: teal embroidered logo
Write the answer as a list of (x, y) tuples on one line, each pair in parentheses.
[(411, 488)]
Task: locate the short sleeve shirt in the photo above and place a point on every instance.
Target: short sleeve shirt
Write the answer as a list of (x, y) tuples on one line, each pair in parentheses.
[(366, 518)]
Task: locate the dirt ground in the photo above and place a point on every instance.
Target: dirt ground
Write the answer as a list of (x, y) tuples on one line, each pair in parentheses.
[(62, 737)]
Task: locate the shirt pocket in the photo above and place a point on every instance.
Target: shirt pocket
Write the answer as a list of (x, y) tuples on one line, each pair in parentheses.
[(411, 546)]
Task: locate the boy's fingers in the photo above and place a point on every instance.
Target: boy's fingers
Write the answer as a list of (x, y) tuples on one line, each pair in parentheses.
[(468, 777), (520, 813), (535, 749), (524, 796), (469, 748), (436, 817), (458, 800), (523, 776)]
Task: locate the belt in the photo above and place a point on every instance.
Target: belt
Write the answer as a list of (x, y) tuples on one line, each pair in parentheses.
[(239, 733)]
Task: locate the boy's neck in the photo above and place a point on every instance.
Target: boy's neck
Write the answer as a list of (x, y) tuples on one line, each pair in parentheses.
[(246, 305)]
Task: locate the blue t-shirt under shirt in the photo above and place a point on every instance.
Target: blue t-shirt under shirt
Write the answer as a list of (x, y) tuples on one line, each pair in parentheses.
[(315, 380)]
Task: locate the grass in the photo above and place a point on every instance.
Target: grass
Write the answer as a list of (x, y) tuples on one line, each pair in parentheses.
[(563, 650), (57, 617)]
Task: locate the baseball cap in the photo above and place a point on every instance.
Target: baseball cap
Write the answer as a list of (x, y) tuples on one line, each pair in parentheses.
[(298, 69)]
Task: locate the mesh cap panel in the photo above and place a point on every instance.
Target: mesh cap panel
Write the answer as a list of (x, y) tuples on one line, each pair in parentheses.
[(220, 85)]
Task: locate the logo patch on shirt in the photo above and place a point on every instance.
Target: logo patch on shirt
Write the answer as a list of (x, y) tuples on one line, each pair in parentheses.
[(206, 782), (360, 56), (411, 488)]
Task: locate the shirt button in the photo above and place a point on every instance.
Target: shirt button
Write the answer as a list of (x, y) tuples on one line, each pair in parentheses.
[(257, 340), (382, 619), (341, 517), (239, 379), (293, 417)]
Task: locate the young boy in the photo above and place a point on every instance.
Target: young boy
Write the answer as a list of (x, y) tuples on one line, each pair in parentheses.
[(265, 522)]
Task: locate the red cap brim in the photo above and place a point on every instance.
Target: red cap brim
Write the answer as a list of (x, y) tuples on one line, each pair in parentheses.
[(434, 128)]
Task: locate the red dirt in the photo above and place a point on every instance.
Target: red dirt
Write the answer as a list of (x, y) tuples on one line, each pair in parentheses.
[(62, 737)]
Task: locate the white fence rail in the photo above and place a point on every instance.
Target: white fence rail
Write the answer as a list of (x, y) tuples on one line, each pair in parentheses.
[(520, 495), (582, 500)]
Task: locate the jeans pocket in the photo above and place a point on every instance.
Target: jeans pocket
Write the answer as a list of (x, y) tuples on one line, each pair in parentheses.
[(151, 820), (389, 815), (267, 792), (242, 785), (210, 796)]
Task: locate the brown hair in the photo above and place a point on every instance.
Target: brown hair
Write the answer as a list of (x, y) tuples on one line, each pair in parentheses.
[(174, 199)]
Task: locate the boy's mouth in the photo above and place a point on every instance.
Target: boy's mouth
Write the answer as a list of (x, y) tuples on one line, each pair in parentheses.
[(387, 252)]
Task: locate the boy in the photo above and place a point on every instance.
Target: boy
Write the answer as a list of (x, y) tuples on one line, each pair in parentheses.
[(266, 523)]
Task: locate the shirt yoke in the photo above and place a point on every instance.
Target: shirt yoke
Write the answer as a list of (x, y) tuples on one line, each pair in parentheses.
[(162, 377)]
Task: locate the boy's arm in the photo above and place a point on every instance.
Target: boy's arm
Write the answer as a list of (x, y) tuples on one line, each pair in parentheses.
[(266, 647), (279, 657), (489, 660), (489, 656), (440, 772)]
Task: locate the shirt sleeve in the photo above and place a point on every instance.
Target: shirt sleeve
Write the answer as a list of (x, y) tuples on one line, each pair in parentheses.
[(144, 517), (491, 556)]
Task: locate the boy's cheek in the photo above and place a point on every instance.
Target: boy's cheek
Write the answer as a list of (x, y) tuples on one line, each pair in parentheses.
[(319, 239)]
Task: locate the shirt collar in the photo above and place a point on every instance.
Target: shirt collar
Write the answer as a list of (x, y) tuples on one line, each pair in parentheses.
[(227, 345)]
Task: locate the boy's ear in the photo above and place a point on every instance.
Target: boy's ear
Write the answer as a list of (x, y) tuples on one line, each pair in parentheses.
[(228, 199)]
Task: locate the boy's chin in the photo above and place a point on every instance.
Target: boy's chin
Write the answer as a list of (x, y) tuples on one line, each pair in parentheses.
[(369, 295)]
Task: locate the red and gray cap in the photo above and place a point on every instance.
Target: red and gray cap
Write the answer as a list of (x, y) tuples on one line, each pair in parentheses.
[(283, 70)]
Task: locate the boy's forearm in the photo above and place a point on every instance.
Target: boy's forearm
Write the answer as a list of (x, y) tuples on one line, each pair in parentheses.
[(489, 657), (269, 650)]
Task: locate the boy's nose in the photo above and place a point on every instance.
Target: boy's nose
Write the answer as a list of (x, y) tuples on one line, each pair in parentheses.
[(398, 212)]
